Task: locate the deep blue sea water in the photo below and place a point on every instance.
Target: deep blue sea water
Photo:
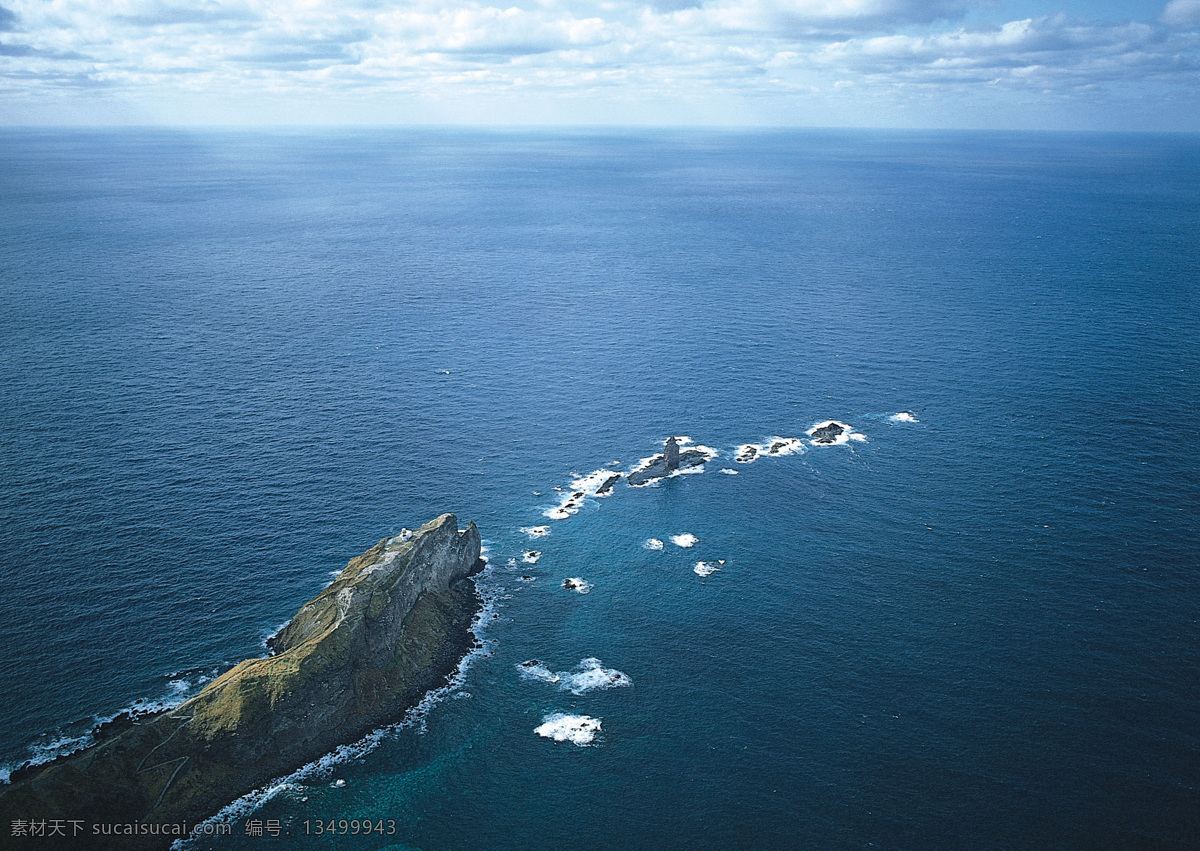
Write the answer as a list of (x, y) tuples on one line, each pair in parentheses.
[(231, 361)]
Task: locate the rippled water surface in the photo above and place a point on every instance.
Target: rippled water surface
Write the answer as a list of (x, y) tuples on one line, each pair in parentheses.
[(229, 362)]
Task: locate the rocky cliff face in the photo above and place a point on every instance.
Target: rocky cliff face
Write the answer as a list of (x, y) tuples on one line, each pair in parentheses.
[(671, 455), (392, 625)]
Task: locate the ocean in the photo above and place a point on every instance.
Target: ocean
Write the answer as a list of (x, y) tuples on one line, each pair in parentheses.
[(230, 361)]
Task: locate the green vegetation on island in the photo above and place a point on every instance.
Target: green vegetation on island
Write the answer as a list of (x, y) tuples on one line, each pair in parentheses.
[(393, 625)]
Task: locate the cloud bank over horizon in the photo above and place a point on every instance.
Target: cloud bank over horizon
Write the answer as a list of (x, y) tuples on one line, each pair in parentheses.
[(783, 62)]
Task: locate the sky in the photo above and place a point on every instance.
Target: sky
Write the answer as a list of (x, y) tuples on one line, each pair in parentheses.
[(994, 64)]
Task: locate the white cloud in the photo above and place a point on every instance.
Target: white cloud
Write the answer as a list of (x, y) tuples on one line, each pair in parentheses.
[(1031, 52), (644, 51), (483, 30), (1182, 14)]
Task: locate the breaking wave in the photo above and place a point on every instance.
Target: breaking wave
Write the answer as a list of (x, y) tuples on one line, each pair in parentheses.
[(575, 583), (772, 447), (834, 433), (577, 729), (708, 568), (83, 734), (589, 675)]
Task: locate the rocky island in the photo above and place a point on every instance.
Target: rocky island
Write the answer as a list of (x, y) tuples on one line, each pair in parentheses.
[(667, 462), (826, 434), (395, 622)]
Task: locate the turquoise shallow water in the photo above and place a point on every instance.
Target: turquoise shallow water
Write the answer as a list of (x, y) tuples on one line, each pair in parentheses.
[(232, 361)]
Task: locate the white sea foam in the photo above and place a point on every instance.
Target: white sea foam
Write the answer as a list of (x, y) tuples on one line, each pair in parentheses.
[(581, 488), (652, 544), (536, 531), (179, 686), (267, 636), (842, 437), (685, 445), (747, 452), (690, 465), (774, 446), (60, 745), (577, 584), (535, 670), (589, 675), (845, 436), (570, 505), (577, 729), (706, 568), (729, 471), (531, 556), (784, 446), (903, 417), (242, 807), (643, 463), (685, 539), (590, 483), (708, 454)]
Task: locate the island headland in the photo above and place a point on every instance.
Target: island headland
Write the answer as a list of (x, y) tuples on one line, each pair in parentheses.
[(394, 623)]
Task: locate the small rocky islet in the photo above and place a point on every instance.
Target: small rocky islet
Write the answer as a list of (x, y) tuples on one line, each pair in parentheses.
[(669, 461), (827, 433)]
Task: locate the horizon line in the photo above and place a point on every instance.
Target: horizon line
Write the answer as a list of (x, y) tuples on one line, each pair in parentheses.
[(596, 127)]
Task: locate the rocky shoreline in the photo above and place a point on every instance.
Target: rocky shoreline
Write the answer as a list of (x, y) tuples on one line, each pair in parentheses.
[(392, 626)]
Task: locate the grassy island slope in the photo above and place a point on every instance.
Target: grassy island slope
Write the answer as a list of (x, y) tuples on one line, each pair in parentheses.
[(392, 625)]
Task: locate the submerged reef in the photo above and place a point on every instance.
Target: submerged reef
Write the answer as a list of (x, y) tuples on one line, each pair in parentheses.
[(392, 626)]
